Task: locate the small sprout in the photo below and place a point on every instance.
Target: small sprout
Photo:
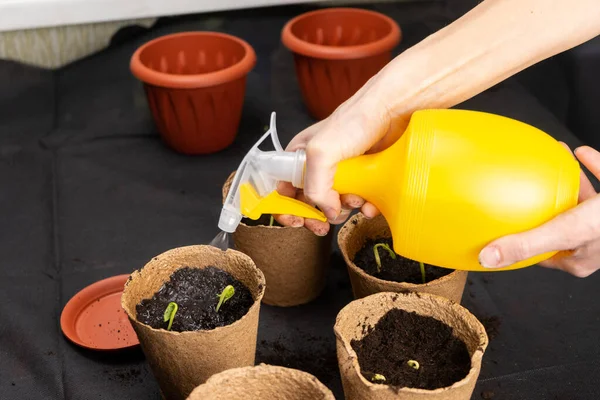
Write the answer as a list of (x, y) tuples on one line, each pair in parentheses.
[(376, 253), (170, 312), (265, 128), (271, 221), (225, 295), (413, 364), (422, 266), (377, 378)]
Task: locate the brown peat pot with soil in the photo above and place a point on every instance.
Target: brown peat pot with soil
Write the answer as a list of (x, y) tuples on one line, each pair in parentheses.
[(359, 240), (195, 84), (408, 346), (262, 382), (336, 51), (294, 260), (195, 311)]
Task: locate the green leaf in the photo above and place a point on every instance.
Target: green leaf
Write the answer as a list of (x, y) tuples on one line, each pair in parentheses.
[(378, 378), (170, 312), (225, 295)]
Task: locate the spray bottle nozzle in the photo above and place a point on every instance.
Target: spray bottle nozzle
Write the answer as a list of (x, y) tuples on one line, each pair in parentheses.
[(253, 189)]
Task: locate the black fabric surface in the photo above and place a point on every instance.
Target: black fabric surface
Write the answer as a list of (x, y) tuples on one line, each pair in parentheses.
[(88, 191)]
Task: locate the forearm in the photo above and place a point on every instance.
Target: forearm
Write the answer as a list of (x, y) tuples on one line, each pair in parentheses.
[(492, 42)]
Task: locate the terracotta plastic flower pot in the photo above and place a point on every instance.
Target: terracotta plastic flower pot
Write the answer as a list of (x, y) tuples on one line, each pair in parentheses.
[(368, 311), (294, 261), (336, 51), (195, 84), (262, 382), (353, 236), (180, 361)]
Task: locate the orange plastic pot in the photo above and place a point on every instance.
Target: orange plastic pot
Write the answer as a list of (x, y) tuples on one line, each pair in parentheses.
[(195, 84), (336, 51)]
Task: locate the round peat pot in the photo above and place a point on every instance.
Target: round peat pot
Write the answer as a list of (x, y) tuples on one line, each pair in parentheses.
[(195, 84), (262, 382), (456, 329), (180, 361), (294, 260), (354, 235), (336, 51)]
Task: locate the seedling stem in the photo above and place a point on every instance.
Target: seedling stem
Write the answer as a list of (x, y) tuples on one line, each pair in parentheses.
[(170, 312), (376, 253), (225, 295), (422, 266), (271, 221)]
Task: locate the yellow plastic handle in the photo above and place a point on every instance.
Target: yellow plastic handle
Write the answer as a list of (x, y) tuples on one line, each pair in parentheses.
[(253, 206)]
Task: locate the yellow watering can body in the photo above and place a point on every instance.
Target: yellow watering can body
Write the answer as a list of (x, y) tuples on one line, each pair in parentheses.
[(457, 180)]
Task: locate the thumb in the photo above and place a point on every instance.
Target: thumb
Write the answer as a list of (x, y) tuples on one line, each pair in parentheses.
[(566, 231)]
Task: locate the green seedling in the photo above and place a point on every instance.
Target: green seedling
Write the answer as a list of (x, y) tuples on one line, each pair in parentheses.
[(422, 266), (225, 295), (377, 378), (413, 364), (376, 253), (271, 221), (170, 312)]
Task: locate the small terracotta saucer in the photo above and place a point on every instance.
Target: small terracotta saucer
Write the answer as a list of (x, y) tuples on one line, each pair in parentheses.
[(94, 319)]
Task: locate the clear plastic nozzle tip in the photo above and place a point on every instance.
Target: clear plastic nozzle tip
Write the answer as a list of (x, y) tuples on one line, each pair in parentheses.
[(229, 220)]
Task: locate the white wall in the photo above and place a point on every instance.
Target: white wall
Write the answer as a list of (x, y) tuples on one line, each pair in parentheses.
[(26, 14)]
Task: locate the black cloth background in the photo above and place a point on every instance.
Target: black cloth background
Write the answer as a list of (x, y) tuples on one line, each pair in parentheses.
[(88, 191)]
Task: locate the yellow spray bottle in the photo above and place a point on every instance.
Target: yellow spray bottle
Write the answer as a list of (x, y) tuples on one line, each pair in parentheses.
[(455, 181)]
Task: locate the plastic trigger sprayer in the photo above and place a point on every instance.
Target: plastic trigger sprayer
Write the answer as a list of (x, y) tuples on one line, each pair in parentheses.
[(455, 181), (253, 189)]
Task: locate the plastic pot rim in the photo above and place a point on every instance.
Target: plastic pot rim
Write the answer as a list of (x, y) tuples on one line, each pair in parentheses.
[(299, 46), (193, 81)]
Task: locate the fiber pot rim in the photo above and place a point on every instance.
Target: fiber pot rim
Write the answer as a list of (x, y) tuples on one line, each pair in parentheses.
[(193, 81), (476, 357), (297, 45), (400, 286), (257, 301), (259, 369)]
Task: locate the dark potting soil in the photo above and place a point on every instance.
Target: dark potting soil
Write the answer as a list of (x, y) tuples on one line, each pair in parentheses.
[(196, 291), (400, 269), (264, 220), (400, 336)]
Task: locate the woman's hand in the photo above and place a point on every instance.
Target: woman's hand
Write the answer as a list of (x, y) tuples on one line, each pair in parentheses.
[(360, 125), (575, 233), (493, 41)]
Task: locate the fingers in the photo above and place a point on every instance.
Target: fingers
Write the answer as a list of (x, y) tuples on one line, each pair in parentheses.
[(320, 171), (590, 158), (580, 263), (319, 228), (290, 220), (351, 201), (567, 231), (286, 189), (369, 210), (586, 190)]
